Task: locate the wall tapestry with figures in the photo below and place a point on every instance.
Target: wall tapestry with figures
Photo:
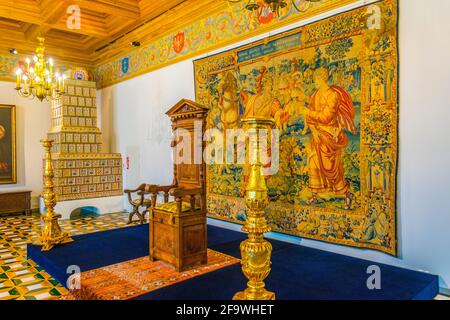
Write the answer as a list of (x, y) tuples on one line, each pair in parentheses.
[(331, 87)]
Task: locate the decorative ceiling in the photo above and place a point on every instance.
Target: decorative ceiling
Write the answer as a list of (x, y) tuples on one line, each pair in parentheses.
[(168, 31), (106, 29)]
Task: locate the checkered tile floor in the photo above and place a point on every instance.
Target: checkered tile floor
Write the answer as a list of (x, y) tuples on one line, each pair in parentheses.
[(22, 279)]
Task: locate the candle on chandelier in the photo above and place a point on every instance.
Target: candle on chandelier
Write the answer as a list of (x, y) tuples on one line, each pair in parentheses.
[(28, 64), (50, 62), (25, 83), (48, 86), (47, 78), (31, 74), (35, 64), (59, 83), (63, 83), (19, 77), (56, 85)]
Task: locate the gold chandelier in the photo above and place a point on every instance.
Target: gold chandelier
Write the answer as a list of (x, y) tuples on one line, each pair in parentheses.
[(39, 80), (275, 5)]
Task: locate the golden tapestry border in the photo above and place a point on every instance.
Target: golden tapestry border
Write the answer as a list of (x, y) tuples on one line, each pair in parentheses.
[(262, 29), (225, 9)]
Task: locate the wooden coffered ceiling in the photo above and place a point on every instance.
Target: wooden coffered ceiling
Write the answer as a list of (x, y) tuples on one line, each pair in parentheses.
[(107, 26)]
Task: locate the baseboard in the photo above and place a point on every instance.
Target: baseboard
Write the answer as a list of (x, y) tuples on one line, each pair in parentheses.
[(444, 292), (104, 205)]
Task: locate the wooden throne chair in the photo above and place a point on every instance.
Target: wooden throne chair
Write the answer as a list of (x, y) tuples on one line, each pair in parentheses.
[(178, 231)]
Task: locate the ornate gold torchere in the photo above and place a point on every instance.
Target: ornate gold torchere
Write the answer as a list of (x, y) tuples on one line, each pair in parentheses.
[(256, 251), (51, 233)]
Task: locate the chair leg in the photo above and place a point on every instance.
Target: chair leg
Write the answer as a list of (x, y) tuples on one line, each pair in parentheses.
[(143, 216), (135, 210), (139, 216)]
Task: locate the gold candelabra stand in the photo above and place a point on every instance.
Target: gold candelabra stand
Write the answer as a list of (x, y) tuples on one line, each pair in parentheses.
[(51, 233), (256, 251)]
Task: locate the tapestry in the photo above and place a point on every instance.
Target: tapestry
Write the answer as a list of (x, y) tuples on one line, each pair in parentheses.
[(331, 88), (130, 279)]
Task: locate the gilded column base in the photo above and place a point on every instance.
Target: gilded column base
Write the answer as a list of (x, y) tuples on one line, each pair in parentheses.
[(48, 244), (51, 234), (249, 295)]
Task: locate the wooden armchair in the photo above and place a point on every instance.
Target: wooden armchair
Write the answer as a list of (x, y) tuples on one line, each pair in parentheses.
[(139, 202), (178, 228), (178, 232), (187, 200)]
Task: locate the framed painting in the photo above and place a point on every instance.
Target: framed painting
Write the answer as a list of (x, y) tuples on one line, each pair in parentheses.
[(8, 173)]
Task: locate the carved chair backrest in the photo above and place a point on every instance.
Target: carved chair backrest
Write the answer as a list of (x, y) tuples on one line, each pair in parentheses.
[(188, 125), (140, 192)]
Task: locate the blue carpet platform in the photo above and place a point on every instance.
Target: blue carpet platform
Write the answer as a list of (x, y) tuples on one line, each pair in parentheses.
[(298, 273)]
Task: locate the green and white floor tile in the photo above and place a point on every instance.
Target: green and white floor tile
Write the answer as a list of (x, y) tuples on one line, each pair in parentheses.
[(22, 279)]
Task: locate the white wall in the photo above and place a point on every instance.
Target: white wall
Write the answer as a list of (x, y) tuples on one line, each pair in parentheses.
[(32, 124), (424, 185), (139, 128), (134, 121)]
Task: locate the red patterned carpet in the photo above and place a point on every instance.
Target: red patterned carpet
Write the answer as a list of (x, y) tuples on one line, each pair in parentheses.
[(133, 278)]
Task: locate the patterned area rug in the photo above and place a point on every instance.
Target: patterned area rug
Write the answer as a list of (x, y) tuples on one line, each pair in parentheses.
[(133, 278)]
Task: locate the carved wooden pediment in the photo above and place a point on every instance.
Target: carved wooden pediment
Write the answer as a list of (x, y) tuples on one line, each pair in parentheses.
[(186, 109)]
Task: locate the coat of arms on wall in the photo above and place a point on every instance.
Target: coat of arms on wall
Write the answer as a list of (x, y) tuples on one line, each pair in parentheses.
[(331, 87), (8, 144)]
